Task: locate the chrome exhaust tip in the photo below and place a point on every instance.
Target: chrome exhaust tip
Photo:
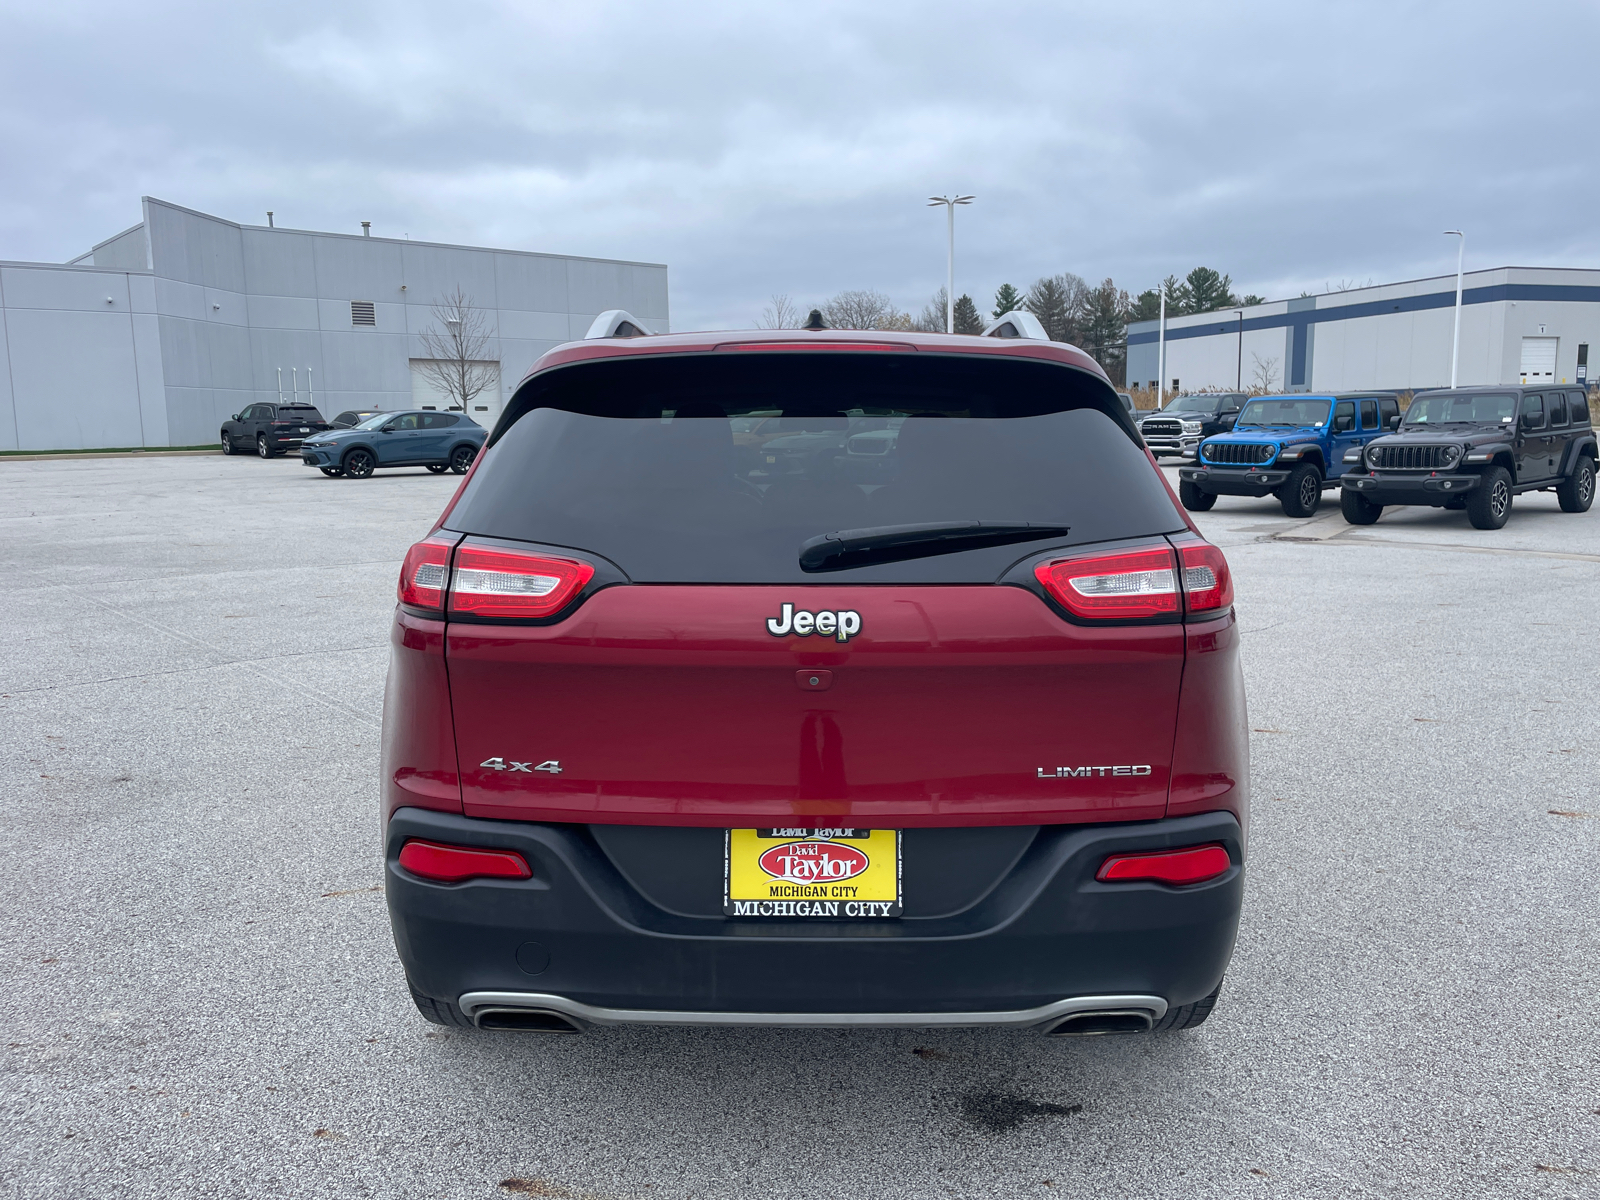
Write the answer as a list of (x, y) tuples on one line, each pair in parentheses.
[(525, 1020), (1111, 1020)]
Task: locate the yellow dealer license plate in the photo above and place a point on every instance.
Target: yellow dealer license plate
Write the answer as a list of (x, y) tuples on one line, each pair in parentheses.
[(834, 874)]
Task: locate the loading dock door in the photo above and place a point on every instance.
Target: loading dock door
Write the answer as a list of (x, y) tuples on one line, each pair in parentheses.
[(1539, 359)]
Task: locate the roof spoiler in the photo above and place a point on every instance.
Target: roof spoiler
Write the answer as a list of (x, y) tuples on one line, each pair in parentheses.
[(1016, 324), (616, 323)]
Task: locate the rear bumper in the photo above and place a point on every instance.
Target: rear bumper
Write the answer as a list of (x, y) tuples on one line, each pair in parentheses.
[(1046, 941), (1222, 481), (1436, 490)]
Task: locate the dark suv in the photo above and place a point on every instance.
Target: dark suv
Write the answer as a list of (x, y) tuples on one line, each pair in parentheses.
[(1185, 422), (672, 736), (270, 429), (1475, 448)]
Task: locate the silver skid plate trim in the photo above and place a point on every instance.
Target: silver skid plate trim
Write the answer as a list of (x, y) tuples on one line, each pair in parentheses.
[(472, 1003)]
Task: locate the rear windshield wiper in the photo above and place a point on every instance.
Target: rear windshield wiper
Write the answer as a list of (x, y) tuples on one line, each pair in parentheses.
[(894, 543)]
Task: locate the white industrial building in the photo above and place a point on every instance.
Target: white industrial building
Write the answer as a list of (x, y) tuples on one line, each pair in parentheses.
[(158, 335), (1518, 325)]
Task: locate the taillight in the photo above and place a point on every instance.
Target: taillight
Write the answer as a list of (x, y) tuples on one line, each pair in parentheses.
[(511, 583), (1207, 582), (422, 575), (1177, 867), (452, 864), (1108, 587)]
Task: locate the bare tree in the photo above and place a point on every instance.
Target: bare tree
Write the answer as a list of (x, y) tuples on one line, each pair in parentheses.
[(933, 313), (458, 362), (864, 309), (780, 314), (1263, 375)]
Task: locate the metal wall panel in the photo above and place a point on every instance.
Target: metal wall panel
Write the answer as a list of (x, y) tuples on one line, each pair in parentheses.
[(531, 282), (283, 312), (279, 263), (74, 379), (432, 272), (8, 412), (128, 251), (355, 268), (194, 248)]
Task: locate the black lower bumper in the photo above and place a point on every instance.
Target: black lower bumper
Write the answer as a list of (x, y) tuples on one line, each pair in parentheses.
[(578, 930), (1437, 490), (1224, 482)]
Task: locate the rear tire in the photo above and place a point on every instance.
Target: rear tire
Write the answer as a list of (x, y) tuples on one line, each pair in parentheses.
[(1576, 491), (264, 450), (437, 468), (358, 464), (1187, 1016), (1489, 504), (442, 1012), (461, 459), (1193, 498), (1302, 491), (1357, 509)]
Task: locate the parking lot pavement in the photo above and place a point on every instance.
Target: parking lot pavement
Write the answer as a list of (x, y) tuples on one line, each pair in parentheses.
[(201, 996)]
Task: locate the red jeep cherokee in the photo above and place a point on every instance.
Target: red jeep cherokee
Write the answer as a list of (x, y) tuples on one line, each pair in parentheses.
[(694, 719)]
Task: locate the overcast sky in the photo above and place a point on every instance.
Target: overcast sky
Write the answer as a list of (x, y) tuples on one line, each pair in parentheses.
[(760, 148)]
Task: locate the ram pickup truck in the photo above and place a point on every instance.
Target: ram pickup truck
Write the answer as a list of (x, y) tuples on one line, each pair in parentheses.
[(1178, 428), (1291, 447)]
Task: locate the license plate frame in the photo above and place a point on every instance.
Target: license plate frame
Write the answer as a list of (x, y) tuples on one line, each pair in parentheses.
[(821, 877)]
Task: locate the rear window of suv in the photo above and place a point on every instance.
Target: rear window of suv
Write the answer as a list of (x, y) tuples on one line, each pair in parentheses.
[(299, 414), (715, 468)]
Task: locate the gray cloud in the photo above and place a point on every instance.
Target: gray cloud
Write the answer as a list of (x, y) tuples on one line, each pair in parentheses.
[(789, 148)]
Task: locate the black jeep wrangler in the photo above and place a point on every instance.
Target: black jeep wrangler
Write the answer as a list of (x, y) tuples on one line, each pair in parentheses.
[(1475, 448)]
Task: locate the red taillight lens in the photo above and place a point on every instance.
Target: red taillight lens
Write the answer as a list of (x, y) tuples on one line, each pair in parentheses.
[(1207, 582), (1177, 867), (510, 583), (1107, 587), (452, 864), (423, 574)]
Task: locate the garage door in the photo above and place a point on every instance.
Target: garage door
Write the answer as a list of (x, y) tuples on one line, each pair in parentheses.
[(426, 392), (1539, 359)]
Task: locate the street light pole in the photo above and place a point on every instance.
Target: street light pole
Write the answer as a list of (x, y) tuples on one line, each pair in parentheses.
[(1455, 343), (950, 203), (1238, 370), (1161, 353)]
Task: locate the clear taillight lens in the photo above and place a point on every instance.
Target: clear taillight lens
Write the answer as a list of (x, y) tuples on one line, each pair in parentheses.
[(422, 575), (1207, 582), (1112, 587), (511, 583)]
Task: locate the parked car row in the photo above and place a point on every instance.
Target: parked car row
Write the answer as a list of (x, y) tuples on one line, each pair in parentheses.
[(357, 441), (1462, 448)]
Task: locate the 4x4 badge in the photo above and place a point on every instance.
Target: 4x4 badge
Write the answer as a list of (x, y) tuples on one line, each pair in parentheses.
[(842, 625), (500, 764)]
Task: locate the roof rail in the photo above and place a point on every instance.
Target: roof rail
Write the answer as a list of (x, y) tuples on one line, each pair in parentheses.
[(616, 323), (1017, 323)]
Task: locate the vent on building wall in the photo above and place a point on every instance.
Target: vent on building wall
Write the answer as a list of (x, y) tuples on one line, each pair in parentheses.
[(362, 313)]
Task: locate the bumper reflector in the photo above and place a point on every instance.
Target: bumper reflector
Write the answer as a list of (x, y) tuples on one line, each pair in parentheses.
[(452, 864), (1178, 867)]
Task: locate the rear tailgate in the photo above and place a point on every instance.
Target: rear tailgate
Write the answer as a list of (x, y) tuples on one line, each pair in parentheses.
[(953, 705)]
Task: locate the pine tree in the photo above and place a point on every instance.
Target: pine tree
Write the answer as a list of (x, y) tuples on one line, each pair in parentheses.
[(968, 318), (1105, 328), (1147, 307), (1007, 299), (1208, 291)]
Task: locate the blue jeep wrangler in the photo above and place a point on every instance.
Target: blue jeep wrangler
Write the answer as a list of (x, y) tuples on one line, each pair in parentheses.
[(1291, 447)]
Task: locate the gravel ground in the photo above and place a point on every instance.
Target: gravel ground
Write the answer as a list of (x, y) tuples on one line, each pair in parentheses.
[(202, 997)]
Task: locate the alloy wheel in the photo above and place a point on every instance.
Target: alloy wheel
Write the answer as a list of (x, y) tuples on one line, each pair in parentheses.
[(1500, 497), (1585, 484), (1310, 488), (261, 446)]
